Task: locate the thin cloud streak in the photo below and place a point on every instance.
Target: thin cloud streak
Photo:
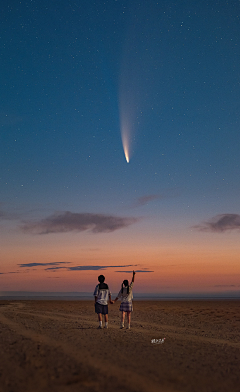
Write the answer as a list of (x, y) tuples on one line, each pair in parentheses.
[(55, 268), (220, 223), (42, 264), (226, 285), (68, 221), (143, 200), (130, 272), (59, 265), (98, 267)]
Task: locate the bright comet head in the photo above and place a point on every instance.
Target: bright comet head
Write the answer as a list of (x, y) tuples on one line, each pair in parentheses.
[(125, 143), (126, 154)]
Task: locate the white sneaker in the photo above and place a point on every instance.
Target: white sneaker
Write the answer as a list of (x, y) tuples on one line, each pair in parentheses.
[(128, 327), (121, 326), (106, 326)]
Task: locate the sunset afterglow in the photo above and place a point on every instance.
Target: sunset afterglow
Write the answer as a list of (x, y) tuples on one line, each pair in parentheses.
[(80, 86)]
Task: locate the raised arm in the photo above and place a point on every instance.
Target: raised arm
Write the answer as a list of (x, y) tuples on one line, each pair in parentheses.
[(133, 277)]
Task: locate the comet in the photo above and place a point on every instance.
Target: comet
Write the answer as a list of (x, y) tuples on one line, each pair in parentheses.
[(130, 85), (128, 103), (125, 143), (126, 126)]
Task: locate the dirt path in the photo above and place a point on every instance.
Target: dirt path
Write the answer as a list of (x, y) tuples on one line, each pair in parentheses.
[(55, 346)]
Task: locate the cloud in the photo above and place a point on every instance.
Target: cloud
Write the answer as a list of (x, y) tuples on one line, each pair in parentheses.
[(225, 285), (97, 267), (68, 221), (130, 272), (54, 268), (141, 201), (221, 223), (43, 264), (6, 273), (59, 265)]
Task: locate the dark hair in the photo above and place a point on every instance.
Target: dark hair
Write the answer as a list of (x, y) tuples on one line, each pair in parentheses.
[(126, 284), (101, 278)]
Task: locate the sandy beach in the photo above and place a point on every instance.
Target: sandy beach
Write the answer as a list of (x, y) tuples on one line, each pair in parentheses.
[(56, 346)]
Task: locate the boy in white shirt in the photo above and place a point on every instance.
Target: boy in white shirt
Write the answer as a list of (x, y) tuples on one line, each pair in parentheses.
[(102, 294)]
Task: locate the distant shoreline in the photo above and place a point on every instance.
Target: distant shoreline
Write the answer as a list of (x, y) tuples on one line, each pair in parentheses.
[(137, 297)]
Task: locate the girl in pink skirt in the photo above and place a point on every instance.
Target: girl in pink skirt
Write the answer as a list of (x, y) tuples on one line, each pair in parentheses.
[(126, 300)]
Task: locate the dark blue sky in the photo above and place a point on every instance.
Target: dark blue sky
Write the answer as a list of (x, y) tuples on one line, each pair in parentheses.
[(68, 66)]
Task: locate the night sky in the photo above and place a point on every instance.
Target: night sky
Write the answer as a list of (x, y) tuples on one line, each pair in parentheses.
[(81, 81)]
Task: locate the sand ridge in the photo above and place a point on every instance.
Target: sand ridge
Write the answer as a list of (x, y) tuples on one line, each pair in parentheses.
[(55, 345)]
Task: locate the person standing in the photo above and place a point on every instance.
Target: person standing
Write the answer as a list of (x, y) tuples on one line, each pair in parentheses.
[(102, 295), (126, 296)]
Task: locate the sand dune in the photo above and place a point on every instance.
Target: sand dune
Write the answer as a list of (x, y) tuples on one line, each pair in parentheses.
[(56, 346)]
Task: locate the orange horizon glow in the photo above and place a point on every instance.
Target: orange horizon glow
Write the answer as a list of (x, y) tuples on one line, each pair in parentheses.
[(181, 262), (175, 270)]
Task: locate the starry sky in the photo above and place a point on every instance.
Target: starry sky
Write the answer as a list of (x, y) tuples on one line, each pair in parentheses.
[(81, 84)]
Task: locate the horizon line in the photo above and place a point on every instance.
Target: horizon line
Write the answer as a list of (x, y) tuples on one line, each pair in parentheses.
[(235, 294)]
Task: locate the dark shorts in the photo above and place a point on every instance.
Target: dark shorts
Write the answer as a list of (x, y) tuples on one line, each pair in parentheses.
[(126, 307), (103, 309)]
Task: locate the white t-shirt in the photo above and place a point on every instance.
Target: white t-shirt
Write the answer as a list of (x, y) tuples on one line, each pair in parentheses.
[(125, 297), (102, 295)]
